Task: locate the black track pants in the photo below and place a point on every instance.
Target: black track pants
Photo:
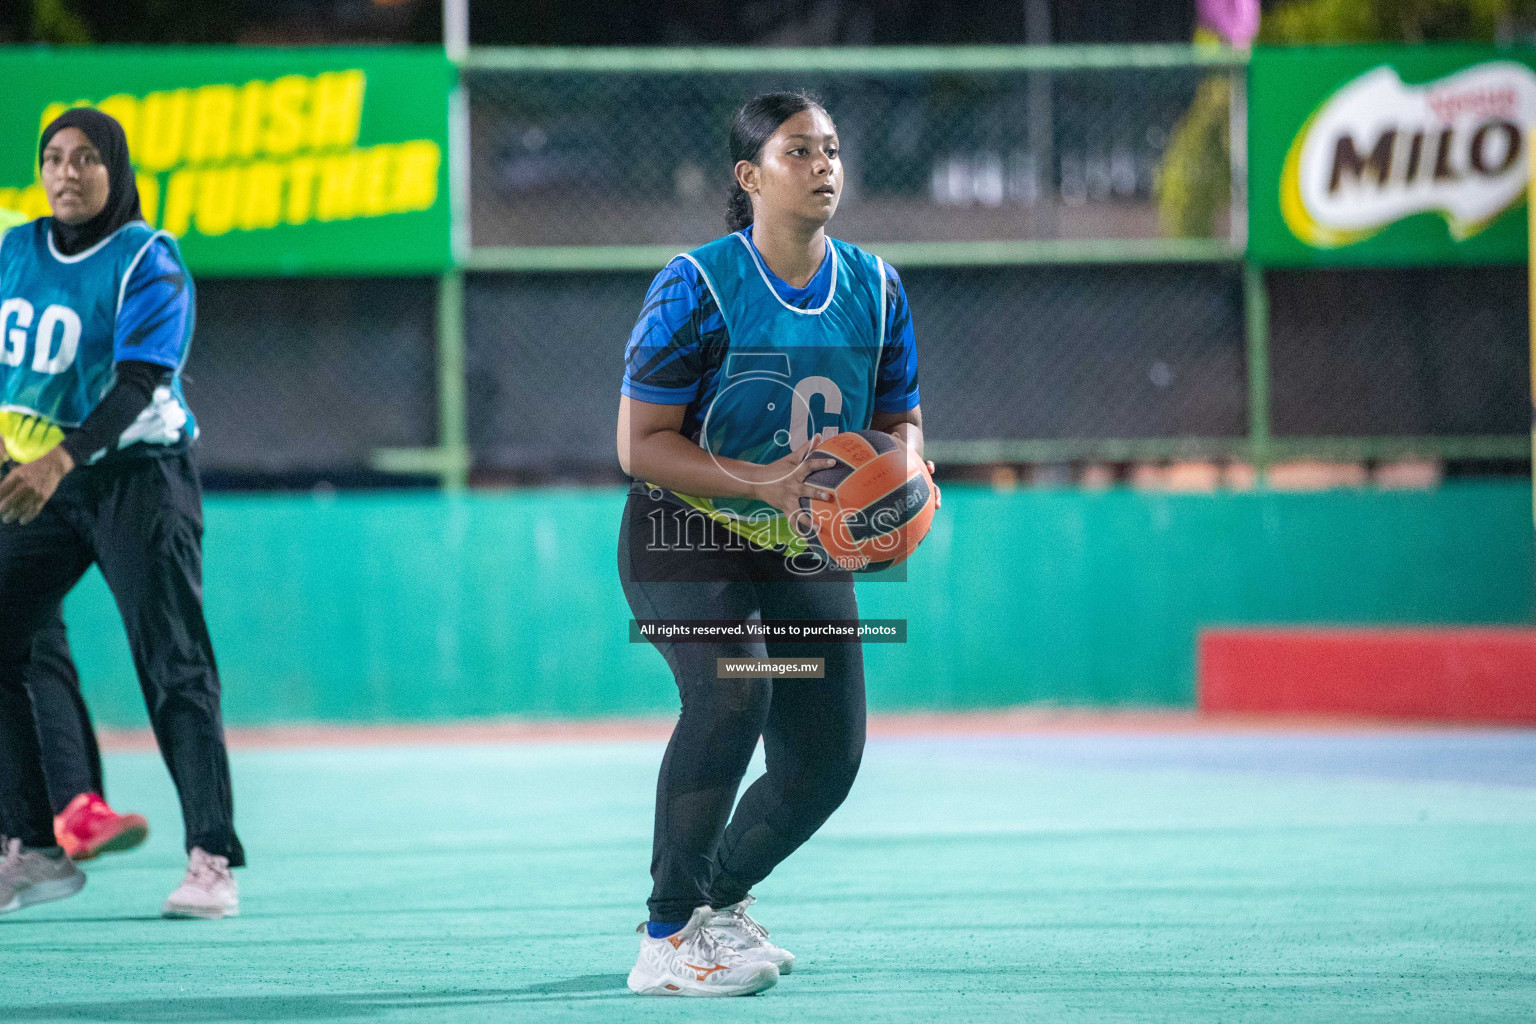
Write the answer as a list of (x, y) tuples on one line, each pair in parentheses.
[(141, 522), (812, 729), (71, 759)]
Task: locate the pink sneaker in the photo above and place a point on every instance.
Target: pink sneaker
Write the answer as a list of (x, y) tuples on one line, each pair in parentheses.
[(89, 827)]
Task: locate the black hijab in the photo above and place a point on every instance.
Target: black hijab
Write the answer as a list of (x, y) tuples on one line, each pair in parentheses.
[(123, 191)]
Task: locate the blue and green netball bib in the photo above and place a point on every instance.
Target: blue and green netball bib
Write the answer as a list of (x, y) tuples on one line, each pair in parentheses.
[(59, 338), (789, 373)]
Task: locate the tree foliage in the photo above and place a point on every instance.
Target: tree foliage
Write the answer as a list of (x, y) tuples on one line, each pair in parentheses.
[(1407, 21)]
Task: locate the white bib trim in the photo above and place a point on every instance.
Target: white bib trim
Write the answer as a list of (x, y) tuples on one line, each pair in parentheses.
[(761, 269)]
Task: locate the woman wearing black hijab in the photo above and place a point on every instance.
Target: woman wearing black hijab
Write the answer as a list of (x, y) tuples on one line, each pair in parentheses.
[(96, 317), (84, 823)]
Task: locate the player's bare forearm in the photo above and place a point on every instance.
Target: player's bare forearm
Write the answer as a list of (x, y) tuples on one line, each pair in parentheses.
[(906, 427), (676, 463), (652, 448), (668, 459)]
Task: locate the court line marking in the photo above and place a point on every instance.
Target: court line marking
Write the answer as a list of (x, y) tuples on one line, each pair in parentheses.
[(1018, 721)]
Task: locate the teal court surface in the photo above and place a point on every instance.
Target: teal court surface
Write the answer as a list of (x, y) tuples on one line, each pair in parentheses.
[(1187, 875)]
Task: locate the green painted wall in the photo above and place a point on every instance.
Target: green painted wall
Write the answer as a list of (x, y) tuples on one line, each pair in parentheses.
[(422, 607)]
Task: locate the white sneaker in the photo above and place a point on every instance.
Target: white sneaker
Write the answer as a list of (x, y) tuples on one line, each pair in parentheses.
[(207, 891), (736, 929), (29, 876), (695, 962)]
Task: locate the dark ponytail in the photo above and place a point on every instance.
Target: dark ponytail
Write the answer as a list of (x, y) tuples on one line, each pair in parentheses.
[(738, 208), (751, 128)]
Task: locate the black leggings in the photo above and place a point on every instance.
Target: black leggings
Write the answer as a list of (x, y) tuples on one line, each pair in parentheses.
[(812, 729)]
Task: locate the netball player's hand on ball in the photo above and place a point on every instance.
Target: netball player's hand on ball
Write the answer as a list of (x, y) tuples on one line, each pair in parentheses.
[(27, 487), (783, 484)]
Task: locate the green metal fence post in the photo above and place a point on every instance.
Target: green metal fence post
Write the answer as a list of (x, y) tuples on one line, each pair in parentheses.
[(449, 459), (452, 432), (1256, 306)]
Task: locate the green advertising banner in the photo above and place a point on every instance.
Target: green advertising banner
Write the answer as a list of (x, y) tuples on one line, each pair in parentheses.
[(1389, 155), (261, 161)]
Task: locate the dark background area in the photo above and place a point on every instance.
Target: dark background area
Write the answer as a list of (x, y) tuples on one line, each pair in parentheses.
[(583, 23), (297, 381)]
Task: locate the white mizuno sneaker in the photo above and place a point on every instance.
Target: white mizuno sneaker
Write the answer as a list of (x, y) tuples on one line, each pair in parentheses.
[(29, 876), (696, 962), (736, 929), (207, 891)]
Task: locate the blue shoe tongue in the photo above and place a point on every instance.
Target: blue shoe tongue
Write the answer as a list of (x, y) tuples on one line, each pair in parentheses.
[(661, 929)]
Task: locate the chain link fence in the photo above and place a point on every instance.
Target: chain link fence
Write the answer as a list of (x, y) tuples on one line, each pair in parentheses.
[(1006, 353), (304, 378), (604, 159), (544, 357), (1026, 209), (598, 161), (1414, 352)]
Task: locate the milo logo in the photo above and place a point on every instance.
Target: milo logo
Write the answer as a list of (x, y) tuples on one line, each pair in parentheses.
[(1378, 151)]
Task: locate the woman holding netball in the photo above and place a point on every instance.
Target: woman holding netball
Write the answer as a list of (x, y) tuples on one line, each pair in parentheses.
[(96, 316), (749, 349)]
